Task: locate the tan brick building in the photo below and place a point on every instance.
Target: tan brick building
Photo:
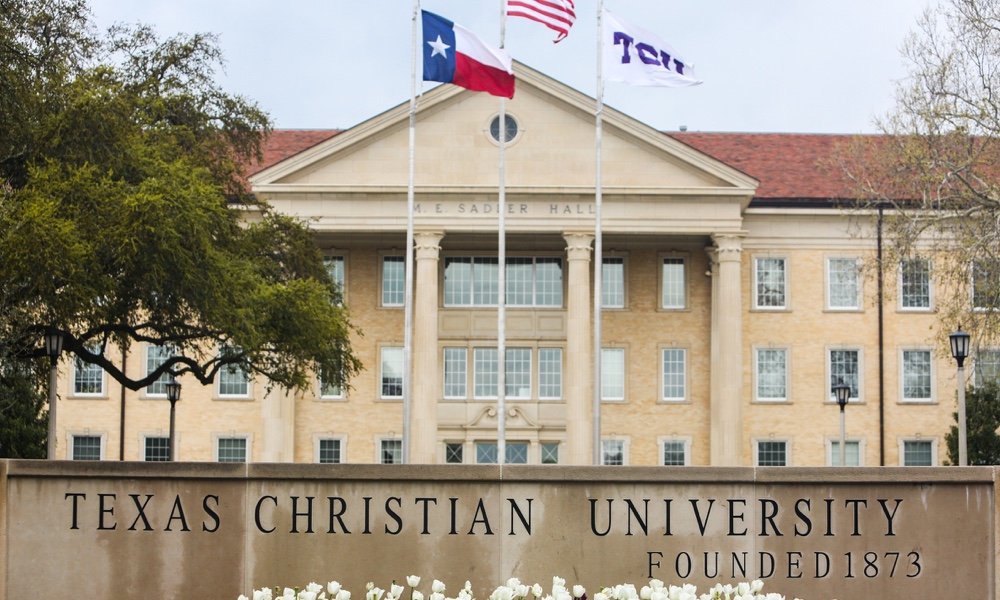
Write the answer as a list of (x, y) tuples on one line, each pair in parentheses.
[(732, 302)]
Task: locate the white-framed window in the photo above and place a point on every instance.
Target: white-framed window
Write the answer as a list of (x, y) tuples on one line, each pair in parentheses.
[(516, 453), (770, 283), (232, 447), (673, 374), (915, 284), (550, 453), (456, 372), (155, 448), (329, 449), (772, 453), (613, 282), (673, 282), (335, 266), (614, 452), (842, 284), (612, 374), (985, 285), (391, 373), (918, 451), (916, 375), (87, 446), (485, 371), (771, 374), (674, 451), (233, 382), (155, 357), (529, 281), (454, 453), (550, 361), (329, 390), (518, 373), (844, 366), (390, 451), (987, 366), (854, 452), (88, 378), (393, 280)]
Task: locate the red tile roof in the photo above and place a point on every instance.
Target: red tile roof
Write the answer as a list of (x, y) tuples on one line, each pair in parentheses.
[(789, 166)]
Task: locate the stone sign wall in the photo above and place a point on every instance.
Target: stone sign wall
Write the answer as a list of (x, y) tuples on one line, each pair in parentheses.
[(142, 530)]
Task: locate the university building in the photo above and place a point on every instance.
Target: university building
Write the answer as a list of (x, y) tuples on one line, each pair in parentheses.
[(733, 300)]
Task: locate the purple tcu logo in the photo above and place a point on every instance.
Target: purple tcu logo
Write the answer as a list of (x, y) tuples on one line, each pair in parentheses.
[(647, 53)]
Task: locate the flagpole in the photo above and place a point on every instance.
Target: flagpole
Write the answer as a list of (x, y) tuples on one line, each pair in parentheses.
[(598, 245), (408, 277), (502, 270)]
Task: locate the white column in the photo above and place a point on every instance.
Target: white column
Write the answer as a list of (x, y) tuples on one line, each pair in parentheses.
[(727, 352), (426, 366), (579, 375)]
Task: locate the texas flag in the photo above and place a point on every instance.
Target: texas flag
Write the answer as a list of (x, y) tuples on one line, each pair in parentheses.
[(452, 54)]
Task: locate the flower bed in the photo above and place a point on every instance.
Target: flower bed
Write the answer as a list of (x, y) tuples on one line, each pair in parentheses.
[(515, 590)]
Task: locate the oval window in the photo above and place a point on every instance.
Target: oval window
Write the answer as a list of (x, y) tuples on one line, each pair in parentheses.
[(511, 126)]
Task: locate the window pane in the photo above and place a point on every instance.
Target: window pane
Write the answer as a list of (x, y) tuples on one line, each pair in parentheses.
[(612, 374), (457, 281), (771, 454), (485, 284), (88, 378), (674, 453), (916, 374), (156, 449), (455, 372), (517, 453), (918, 453), (453, 453), (486, 453), (520, 281), (335, 267), (673, 283), (771, 374), (392, 372), (232, 450), (329, 451), (155, 357), (548, 282), (674, 380), (915, 283), (233, 381), (843, 282), (550, 373), (329, 390), (612, 452), (86, 447), (844, 370), (985, 285), (518, 374), (613, 282), (550, 453), (391, 452), (770, 282), (393, 280), (987, 367), (484, 372), (852, 453)]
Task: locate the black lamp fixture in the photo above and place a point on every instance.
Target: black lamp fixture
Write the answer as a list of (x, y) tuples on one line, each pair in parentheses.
[(173, 390), (960, 350), (53, 342), (960, 346), (173, 395), (842, 392)]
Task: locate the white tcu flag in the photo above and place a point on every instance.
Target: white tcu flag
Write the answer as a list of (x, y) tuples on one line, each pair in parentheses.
[(636, 56)]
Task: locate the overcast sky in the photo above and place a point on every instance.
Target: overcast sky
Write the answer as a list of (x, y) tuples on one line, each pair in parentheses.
[(812, 66)]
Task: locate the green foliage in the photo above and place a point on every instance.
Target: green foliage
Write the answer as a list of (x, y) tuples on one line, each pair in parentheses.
[(23, 420), (125, 215), (982, 413)]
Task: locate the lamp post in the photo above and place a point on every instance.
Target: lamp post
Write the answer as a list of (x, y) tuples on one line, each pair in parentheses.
[(960, 350), (53, 348), (842, 392), (173, 395)]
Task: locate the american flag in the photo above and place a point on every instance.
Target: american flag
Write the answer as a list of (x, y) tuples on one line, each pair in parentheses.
[(557, 15)]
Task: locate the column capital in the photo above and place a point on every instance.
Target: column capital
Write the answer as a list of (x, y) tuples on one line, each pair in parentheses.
[(728, 247), (578, 245), (426, 244)]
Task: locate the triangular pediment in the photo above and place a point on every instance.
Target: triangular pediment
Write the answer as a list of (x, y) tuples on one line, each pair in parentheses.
[(554, 150)]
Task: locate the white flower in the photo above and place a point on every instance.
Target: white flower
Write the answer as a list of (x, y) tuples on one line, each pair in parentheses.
[(264, 594), (288, 593), (756, 586), (437, 586), (600, 596), (413, 580), (502, 593), (416, 595), (436, 596), (773, 596), (242, 597), (536, 590), (578, 591), (513, 582), (333, 587), (343, 595), (374, 593), (558, 583), (314, 587), (306, 595)]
